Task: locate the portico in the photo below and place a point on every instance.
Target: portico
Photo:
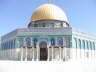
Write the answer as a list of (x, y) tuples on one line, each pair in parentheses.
[(42, 53)]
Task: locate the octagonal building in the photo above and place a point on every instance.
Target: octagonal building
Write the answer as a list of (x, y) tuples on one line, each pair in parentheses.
[(48, 37)]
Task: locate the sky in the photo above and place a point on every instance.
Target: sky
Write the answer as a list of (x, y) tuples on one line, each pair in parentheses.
[(17, 13)]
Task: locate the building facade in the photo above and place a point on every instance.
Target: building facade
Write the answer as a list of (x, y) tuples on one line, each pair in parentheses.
[(48, 37)]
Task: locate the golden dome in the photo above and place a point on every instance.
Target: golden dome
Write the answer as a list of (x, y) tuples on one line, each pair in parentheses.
[(49, 12)]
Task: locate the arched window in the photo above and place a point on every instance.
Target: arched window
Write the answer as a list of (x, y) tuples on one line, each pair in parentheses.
[(61, 24), (35, 25), (9, 44), (52, 41), (4, 45), (75, 42), (90, 45), (35, 42), (93, 46), (21, 42), (87, 45), (52, 24), (60, 41), (43, 25), (14, 43), (28, 41), (57, 24), (79, 43), (83, 43)]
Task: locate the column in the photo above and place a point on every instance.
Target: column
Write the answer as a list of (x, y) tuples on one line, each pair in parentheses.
[(21, 53), (32, 49), (30, 53), (60, 53), (37, 53), (25, 50), (52, 53), (33, 54), (48, 53), (94, 53), (84, 53), (26, 53), (63, 53), (76, 54)]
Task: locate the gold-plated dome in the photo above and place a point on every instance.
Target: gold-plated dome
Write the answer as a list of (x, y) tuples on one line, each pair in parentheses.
[(49, 12)]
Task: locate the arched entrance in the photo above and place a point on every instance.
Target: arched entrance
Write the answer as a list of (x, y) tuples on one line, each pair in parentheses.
[(43, 51)]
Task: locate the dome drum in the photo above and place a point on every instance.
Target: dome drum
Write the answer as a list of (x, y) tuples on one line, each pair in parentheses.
[(48, 23)]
